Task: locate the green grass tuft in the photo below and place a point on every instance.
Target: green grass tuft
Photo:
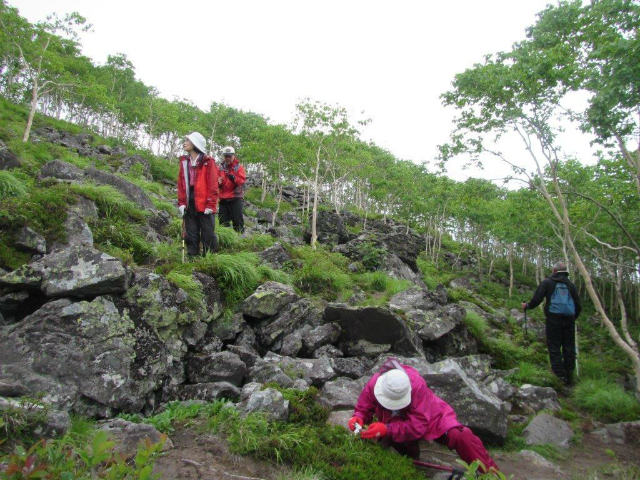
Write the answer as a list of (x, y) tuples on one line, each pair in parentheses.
[(606, 400), (10, 186), (236, 274)]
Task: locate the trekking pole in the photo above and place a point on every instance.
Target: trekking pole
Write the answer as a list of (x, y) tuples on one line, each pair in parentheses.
[(184, 234), (576, 340), (456, 473), (525, 324)]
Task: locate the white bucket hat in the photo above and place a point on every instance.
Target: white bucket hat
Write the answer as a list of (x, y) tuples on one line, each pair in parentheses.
[(228, 151), (393, 389), (198, 141)]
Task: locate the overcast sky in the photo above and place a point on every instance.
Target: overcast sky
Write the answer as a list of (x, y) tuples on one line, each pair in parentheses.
[(390, 60)]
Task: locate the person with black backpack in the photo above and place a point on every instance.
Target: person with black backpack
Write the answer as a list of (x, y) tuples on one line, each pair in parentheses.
[(561, 309)]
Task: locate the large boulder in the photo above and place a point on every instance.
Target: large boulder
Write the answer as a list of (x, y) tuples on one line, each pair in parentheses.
[(341, 393), (136, 165), (373, 324), (268, 401), (133, 192), (217, 367), (62, 171), (473, 403), (292, 316), (8, 159), (532, 398), (547, 429), (622, 433), (268, 299), (432, 325), (85, 356), (80, 271), (315, 371), (416, 299), (30, 241)]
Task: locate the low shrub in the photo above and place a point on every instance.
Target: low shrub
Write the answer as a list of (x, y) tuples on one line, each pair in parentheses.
[(606, 400)]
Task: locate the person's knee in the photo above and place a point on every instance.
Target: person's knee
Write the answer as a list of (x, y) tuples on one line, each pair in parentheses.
[(458, 436)]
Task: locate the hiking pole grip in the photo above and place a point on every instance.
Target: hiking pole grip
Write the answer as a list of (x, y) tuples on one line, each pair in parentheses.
[(525, 322)]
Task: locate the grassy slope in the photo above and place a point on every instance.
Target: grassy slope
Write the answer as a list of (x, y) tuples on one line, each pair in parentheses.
[(118, 231)]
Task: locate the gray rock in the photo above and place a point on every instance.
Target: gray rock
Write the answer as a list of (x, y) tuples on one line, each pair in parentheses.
[(216, 367), (299, 314), (341, 393), (247, 354), (352, 367), (413, 299), (535, 459), (622, 433), (80, 272), (322, 335), (8, 159), (363, 348), (30, 241), (228, 330), (268, 300), (135, 164), (128, 435), (276, 255), (292, 343), (434, 324), (502, 389), (268, 401), (128, 189), (207, 392), (86, 355), (61, 170), (77, 232), (531, 399), (329, 351), (545, 428), (248, 389), (315, 371), (375, 325), (340, 418), (12, 389), (266, 372)]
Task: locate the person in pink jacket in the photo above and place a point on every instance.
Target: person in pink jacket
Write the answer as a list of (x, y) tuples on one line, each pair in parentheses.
[(408, 411)]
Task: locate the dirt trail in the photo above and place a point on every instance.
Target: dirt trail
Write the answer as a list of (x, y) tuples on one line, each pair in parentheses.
[(202, 456)]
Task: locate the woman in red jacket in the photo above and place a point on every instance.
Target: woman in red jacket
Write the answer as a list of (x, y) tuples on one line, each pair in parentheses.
[(198, 195), (232, 178)]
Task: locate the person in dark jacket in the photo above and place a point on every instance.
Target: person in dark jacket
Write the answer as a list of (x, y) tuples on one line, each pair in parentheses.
[(560, 324), (198, 195), (232, 178)]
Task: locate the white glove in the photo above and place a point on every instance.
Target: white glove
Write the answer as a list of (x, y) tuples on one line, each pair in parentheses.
[(182, 208), (208, 211)]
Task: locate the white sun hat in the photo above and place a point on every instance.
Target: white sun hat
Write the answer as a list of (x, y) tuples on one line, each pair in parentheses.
[(228, 151), (198, 141), (393, 389)]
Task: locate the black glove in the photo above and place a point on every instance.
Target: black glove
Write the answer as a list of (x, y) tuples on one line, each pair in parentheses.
[(232, 177)]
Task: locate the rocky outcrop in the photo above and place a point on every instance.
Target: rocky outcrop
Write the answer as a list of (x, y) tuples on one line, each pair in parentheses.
[(81, 272), (268, 300), (375, 325)]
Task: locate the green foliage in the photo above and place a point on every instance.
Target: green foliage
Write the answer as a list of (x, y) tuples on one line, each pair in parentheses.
[(236, 274), (432, 275), (163, 170), (459, 293), (606, 400), (370, 255), (82, 454), (476, 324), (320, 272), (256, 242), (228, 238), (303, 407), (270, 202), (267, 273), (19, 423), (122, 239), (10, 186), (532, 373), (187, 283), (111, 203), (176, 412)]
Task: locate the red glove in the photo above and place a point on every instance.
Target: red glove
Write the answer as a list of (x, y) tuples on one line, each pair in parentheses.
[(375, 430), (353, 421)]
